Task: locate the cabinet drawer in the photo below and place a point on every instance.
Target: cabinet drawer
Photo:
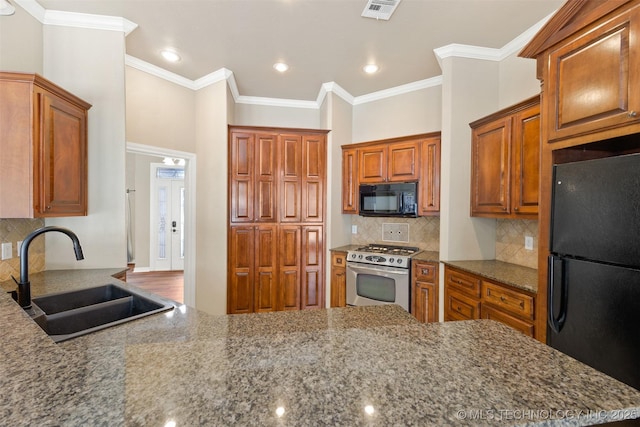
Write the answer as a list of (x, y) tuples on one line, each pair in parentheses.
[(338, 259), (424, 271), (525, 327), (460, 307), (463, 282), (508, 300)]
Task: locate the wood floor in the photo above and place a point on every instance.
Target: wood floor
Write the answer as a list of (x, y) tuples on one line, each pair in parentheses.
[(168, 284)]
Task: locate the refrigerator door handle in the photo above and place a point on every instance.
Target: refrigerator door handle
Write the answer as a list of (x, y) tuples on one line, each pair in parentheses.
[(557, 278)]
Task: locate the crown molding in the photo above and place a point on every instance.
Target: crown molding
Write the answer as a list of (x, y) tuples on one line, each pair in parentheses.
[(398, 90), (487, 53), (154, 70), (77, 20)]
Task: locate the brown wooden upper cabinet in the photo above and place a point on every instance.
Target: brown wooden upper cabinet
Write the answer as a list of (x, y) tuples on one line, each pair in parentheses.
[(389, 162), (43, 141), (589, 59), (404, 159), (505, 162)]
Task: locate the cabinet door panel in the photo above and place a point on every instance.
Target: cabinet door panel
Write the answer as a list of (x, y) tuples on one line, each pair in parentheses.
[(266, 178), (314, 167), (241, 263), (578, 102), (338, 279), (460, 307), (372, 165), (312, 257), (266, 293), (429, 203), (242, 177), (63, 158), (403, 161), (349, 181), (425, 302), (491, 167), (291, 176), (526, 154), (289, 256)]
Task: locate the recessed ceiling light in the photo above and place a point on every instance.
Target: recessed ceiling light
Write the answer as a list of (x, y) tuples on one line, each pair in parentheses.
[(281, 66), (170, 55), (371, 68)]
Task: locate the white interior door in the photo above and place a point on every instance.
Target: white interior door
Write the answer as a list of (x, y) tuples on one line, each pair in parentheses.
[(167, 217)]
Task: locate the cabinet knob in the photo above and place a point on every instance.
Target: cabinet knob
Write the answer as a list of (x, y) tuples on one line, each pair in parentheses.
[(515, 209), (504, 208), (425, 271), (503, 299), (48, 208), (632, 114)]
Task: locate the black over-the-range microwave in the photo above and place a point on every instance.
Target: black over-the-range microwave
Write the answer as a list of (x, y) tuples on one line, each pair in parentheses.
[(394, 199)]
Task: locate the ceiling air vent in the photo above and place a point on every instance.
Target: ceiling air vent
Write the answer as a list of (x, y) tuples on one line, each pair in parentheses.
[(380, 9)]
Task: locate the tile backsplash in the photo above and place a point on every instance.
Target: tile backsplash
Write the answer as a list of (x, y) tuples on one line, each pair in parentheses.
[(424, 232), (12, 231), (510, 236)]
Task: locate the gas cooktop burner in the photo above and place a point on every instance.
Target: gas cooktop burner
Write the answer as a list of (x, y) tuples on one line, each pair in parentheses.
[(394, 256)]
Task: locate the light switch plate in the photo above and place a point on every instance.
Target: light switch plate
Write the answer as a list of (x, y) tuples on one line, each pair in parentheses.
[(354, 229), (6, 251), (528, 243)]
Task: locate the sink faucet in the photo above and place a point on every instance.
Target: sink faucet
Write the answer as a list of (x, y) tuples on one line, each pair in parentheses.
[(24, 286)]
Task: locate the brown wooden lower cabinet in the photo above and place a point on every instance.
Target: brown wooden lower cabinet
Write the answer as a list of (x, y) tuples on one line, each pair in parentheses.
[(469, 296), (274, 267), (424, 291), (338, 279)]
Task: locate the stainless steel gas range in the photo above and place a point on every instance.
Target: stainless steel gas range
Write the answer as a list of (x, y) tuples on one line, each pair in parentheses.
[(380, 274)]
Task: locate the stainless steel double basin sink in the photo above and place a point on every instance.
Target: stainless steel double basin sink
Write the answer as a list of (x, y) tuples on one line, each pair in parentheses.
[(71, 314)]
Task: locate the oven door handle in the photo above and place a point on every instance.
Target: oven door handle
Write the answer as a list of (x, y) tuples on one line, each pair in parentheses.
[(381, 269)]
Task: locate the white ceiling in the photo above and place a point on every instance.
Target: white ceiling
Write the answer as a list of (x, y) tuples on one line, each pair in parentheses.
[(321, 40)]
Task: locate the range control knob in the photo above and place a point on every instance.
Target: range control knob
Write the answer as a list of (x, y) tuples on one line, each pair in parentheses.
[(399, 260), (360, 256), (391, 260)]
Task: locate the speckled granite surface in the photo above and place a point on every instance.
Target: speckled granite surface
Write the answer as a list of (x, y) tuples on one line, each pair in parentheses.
[(515, 275), (429, 256), (346, 248), (322, 367)]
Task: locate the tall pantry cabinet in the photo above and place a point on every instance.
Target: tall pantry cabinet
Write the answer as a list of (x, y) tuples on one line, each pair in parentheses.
[(277, 180)]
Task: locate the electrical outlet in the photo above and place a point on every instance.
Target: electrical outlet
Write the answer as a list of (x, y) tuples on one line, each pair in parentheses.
[(354, 229), (18, 247), (528, 243), (7, 251), (395, 232)]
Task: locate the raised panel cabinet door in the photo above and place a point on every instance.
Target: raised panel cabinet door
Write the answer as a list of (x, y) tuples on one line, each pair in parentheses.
[(425, 302), (372, 164), (490, 168), (289, 257), (266, 255), (338, 279), (266, 170), (312, 286), (63, 157), (460, 307), (314, 166), (593, 80), (242, 171), (403, 161), (429, 185), (526, 162), (240, 291), (290, 178), (350, 190)]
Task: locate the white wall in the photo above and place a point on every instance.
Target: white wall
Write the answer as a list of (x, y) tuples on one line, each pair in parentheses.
[(90, 64), (211, 198), (159, 113), (517, 80), (470, 91), (406, 114), (20, 42), (264, 115)]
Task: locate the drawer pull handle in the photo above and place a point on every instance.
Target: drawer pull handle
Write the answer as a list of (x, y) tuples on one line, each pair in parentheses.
[(632, 114), (522, 304), (503, 299), (458, 308), (425, 271)]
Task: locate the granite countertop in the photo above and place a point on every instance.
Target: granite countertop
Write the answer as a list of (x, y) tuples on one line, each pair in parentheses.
[(429, 256), (515, 275), (320, 367)]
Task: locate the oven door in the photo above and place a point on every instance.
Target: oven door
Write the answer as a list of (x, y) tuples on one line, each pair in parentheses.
[(375, 285)]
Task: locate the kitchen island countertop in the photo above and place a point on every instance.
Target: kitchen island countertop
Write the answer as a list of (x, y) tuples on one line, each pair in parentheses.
[(343, 366)]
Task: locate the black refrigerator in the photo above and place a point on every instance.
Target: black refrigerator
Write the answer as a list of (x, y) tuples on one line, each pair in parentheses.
[(594, 266)]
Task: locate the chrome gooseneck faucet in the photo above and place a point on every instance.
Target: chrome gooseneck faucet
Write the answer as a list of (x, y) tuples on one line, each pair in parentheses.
[(24, 286)]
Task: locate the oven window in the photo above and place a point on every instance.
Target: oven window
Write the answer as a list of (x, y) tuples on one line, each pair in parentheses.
[(381, 203), (377, 288)]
